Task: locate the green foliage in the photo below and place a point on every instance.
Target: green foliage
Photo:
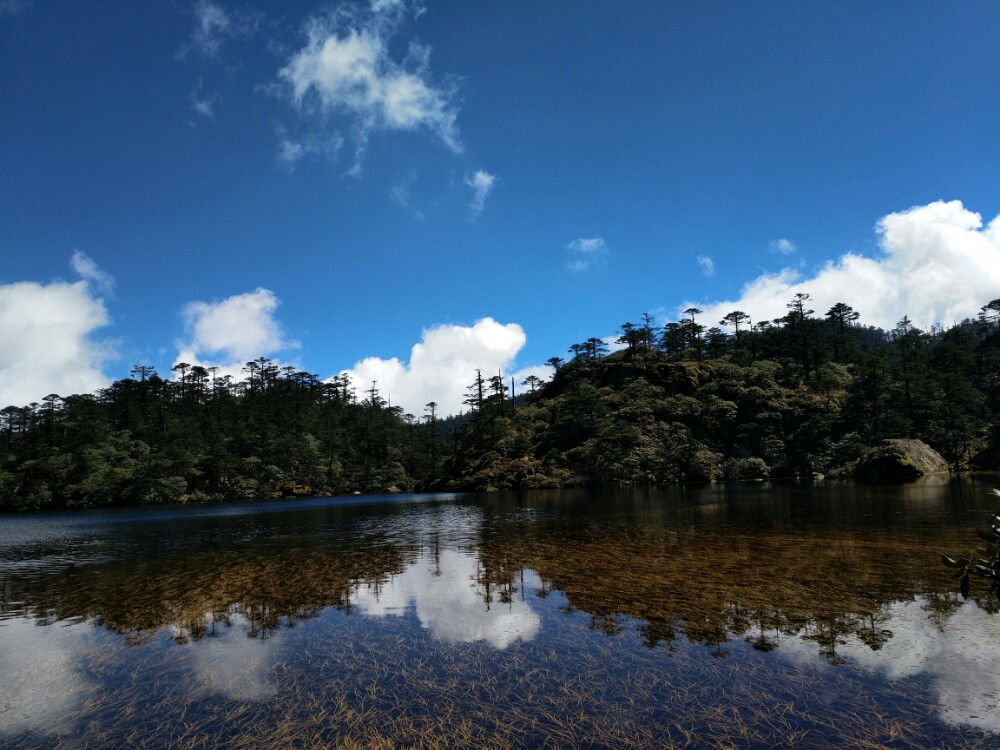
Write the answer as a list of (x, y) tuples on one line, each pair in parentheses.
[(745, 468), (796, 396), (201, 438), (983, 562)]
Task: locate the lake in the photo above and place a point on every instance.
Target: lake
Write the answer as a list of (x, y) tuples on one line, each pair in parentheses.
[(744, 615)]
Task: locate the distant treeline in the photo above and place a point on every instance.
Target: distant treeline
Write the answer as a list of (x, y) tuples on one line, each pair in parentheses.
[(798, 395)]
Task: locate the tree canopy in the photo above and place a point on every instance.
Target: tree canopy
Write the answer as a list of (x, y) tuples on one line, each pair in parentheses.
[(792, 397)]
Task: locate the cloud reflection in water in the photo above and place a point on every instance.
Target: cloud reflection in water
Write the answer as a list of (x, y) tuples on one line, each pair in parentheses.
[(450, 600), (233, 665), (959, 660), (42, 683)]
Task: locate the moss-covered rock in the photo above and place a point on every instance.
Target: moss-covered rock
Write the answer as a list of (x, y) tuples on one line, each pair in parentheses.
[(899, 461)]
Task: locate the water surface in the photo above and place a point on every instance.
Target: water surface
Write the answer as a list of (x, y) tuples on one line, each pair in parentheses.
[(728, 616)]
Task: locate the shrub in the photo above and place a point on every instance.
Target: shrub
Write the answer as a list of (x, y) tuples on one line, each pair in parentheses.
[(745, 468)]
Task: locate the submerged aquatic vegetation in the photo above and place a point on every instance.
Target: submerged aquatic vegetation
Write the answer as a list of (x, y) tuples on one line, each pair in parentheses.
[(983, 562), (490, 622)]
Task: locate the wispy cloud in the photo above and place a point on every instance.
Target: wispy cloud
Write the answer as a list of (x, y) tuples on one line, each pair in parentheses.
[(783, 246), (204, 105), (346, 75), (482, 184), (938, 265), (292, 150), (88, 270), (401, 193), (588, 252), (213, 27), (707, 265), (14, 7)]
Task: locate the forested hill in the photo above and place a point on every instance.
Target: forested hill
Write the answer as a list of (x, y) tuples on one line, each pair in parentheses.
[(797, 396)]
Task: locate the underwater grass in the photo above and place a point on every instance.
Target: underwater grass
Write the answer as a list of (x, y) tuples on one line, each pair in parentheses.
[(609, 697), (653, 636)]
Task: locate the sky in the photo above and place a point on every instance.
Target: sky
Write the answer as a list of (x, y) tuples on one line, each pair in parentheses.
[(408, 191)]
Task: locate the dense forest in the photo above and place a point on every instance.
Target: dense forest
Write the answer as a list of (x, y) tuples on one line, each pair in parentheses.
[(797, 396)]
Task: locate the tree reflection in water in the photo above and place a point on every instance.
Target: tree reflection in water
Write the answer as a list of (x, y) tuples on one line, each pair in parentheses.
[(505, 621)]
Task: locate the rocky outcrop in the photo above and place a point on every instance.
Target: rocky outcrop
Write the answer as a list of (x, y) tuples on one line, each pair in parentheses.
[(899, 461)]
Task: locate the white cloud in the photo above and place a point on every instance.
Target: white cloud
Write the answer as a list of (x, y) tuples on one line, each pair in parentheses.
[(482, 184), (46, 336), (707, 265), (213, 26), (204, 105), (231, 332), (88, 270), (782, 247), (442, 365), (542, 372), (587, 245), (613, 343), (346, 70), (938, 265), (588, 252), (291, 151), (450, 604), (401, 193), (388, 6)]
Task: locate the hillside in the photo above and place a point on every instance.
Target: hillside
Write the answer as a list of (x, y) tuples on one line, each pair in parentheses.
[(799, 397)]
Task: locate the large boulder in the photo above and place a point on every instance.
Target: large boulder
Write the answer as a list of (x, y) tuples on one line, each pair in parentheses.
[(899, 461)]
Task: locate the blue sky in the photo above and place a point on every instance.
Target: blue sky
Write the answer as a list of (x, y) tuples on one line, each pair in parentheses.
[(331, 184)]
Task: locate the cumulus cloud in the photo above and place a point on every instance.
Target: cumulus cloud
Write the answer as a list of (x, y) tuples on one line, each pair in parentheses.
[(782, 247), (47, 342), (937, 265), (542, 372), (482, 184), (442, 365), (588, 252), (231, 332), (448, 604), (707, 265), (346, 73)]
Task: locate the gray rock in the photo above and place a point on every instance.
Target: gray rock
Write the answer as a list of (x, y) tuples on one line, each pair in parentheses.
[(899, 460)]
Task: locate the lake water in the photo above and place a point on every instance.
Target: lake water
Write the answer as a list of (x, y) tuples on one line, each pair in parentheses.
[(756, 615)]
